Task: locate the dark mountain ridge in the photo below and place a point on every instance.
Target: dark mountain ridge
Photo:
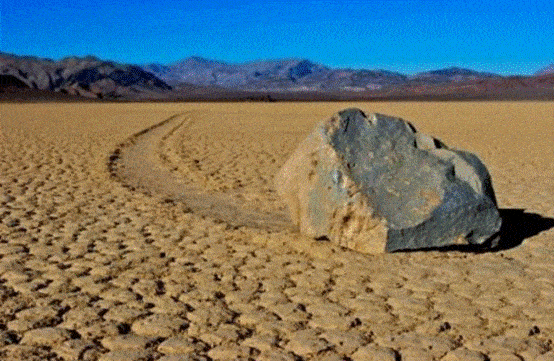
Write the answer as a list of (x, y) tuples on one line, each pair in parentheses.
[(89, 76)]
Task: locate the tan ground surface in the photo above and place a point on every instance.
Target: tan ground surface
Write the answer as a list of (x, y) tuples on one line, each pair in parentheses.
[(183, 252)]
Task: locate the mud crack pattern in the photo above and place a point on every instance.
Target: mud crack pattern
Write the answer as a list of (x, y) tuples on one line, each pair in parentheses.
[(94, 267)]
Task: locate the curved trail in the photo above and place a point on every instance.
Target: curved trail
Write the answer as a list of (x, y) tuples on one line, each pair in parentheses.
[(141, 163)]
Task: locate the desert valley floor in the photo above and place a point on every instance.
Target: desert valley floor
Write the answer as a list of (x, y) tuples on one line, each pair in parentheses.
[(151, 231)]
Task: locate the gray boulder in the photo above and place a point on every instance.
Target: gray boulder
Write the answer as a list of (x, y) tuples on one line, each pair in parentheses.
[(373, 184)]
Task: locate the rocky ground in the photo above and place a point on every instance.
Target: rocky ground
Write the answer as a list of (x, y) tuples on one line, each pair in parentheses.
[(170, 243)]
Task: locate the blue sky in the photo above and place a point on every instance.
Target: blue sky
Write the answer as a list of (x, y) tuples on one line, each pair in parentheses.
[(507, 37)]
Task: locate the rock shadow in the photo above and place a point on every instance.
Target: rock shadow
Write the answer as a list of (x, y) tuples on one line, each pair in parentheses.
[(517, 226)]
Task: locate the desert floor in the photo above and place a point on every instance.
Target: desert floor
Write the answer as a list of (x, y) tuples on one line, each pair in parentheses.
[(152, 232)]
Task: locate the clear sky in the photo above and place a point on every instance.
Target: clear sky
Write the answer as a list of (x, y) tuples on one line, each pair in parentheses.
[(507, 37)]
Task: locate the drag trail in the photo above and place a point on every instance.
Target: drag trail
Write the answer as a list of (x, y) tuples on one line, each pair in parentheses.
[(147, 162)]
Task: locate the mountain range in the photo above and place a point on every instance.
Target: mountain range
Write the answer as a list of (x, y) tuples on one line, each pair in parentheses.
[(196, 78), (287, 74)]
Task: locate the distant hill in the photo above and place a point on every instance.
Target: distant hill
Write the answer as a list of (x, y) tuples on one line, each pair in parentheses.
[(89, 76), (505, 88), (545, 71), (453, 74), (286, 74)]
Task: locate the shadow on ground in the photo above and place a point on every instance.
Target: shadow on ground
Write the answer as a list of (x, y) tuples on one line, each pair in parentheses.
[(518, 225)]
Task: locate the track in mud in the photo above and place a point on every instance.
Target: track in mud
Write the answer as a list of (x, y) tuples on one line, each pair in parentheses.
[(145, 162)]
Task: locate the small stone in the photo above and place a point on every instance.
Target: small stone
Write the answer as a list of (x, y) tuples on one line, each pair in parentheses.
[(534, 331)]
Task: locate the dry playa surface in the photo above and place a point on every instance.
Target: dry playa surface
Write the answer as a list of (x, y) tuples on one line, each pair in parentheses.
[(153, 232)]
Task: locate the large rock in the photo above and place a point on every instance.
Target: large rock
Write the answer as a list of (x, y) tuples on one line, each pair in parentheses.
[(373, 184)]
